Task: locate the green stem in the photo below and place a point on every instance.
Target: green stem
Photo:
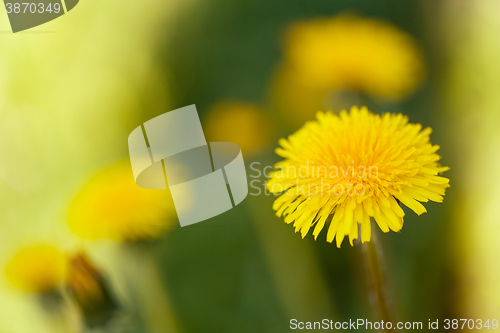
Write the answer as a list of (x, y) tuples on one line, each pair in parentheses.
[(379, 294), (149, 292)]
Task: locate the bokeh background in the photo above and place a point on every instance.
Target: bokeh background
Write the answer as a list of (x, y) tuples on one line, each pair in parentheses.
[(73, 89)]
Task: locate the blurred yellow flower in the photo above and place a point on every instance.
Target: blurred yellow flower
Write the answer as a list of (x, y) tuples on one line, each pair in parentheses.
[(239, 122), (39, 268), (343, 170), (345, 52), (294, 99), (112, 206), (368, 55)]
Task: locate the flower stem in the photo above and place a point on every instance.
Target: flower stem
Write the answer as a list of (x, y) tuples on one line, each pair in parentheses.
[(379, 294)]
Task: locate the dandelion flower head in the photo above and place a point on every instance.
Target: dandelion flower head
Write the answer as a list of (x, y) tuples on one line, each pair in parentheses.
[(341, 171)]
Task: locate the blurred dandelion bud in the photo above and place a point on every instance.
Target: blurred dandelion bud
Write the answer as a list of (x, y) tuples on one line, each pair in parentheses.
[(88, 288)]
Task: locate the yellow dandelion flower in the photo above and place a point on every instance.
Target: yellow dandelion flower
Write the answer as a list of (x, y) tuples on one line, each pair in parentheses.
[(112, 206), (253, 133), (39, 268), (362, 54), (342, 170)]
